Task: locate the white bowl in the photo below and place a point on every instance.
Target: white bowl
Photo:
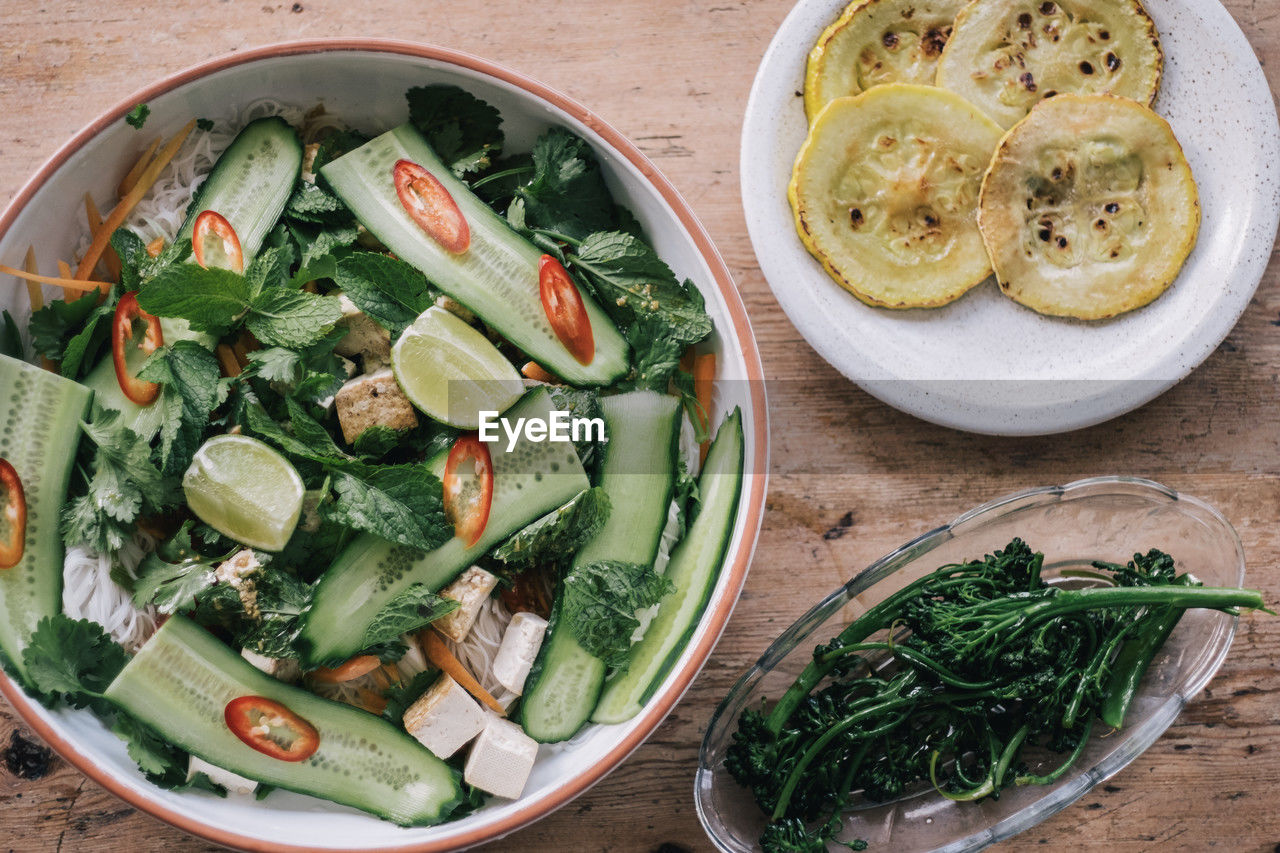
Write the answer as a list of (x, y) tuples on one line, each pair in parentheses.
[(364, 81), (984, 363)]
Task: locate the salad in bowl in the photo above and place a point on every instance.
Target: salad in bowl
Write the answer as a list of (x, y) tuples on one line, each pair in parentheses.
[(374, 462)]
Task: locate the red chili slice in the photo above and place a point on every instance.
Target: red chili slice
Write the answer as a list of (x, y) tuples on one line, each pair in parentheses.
[(271, 728), (431, 206), (468, 488), (123, 343), (215, 243), (565, 310), (13, 516)]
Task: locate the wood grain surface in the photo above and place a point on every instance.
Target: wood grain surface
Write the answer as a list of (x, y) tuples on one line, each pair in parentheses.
[(852, 478)]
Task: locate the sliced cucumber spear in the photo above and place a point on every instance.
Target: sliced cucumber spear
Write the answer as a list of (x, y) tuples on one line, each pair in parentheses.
[(528, 482), (695, 565), (496, 277), (251, 183), (638, 475), (182, 679), (39, 431)]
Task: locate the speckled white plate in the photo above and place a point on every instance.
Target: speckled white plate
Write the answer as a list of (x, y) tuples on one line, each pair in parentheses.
[(985, 363)]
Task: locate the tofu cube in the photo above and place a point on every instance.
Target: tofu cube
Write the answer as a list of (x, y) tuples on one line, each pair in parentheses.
[(374, 399), (445, 718), (470, 589), (233, 782), (519, 647), (287, 670), (364, 337), (501, 759)]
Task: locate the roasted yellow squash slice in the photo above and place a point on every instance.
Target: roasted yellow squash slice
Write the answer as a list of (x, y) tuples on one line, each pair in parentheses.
[(875, 42), (1089, 208), (1008, 55), (885, 194)]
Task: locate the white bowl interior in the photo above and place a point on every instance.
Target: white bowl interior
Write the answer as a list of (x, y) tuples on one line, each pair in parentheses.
[(366, 89), (985, 363)]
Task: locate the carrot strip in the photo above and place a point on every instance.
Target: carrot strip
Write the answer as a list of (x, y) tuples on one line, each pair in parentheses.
[(438, 653), (34, 293), (130, 180), (122, 210), (354, 668), (64, 283), (372, 702), (155, 247), (534, 371), (226, 358), (110, 260), (704, 374)]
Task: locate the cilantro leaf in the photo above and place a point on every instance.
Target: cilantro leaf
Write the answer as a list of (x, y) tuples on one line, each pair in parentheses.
[(137, 116), (54, 325), (163, 763), (171, 587), (335, 145), (191, 387), (212, 300), (567, 193), (464, 130), (558, 534), (408, 611), (262, 613), (390, 291), (83, 349), (600, 600), (292, 318), (124, 483), (73, 660), (400, 503)]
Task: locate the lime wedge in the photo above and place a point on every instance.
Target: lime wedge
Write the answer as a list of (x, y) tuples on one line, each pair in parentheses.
[(245, 490), (452, 372)]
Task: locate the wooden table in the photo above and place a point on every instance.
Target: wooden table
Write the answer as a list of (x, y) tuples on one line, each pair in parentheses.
[(674, 77)]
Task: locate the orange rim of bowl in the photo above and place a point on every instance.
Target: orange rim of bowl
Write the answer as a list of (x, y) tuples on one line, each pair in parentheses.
[(755, 463)]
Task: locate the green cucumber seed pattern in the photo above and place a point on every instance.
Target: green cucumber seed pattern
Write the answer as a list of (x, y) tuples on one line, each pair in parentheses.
[(41, 428)]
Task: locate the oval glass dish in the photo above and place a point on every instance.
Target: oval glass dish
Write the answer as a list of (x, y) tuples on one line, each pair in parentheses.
[(1106, 518)]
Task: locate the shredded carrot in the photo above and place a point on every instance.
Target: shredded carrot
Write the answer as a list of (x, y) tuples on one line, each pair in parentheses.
[(130, 180), (34, 293), (354, 668), (226, 358), (704, 374), (438, 653), (155, 247), (110, 260), (122, 210), (64, 283), (239, 350), (686, 360), (534, 371), (372, 702)]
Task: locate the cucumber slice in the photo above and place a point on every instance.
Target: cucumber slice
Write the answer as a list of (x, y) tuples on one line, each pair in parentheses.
[(497, 277), (528, 482), (181, 681), (40, 431), (638, 474), (695, 565), (251, 183)]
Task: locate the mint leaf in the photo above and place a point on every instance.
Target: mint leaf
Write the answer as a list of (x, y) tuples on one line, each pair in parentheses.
[(137, 116), (390, 291), (334, 145), (292, 318), (600, 603), (57, 323), (278, 598), (400, 503), (558, 534), (84, 348), (73, 660), (316, 241), (465, 131), (376, 442), (308, 439), (408, 611), (312, 203), (191, 387), (212, 300), (269, 269), (400, 697)]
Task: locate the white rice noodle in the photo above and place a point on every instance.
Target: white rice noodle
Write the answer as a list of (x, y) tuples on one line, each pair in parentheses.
[(478, 649), (88, 592)]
